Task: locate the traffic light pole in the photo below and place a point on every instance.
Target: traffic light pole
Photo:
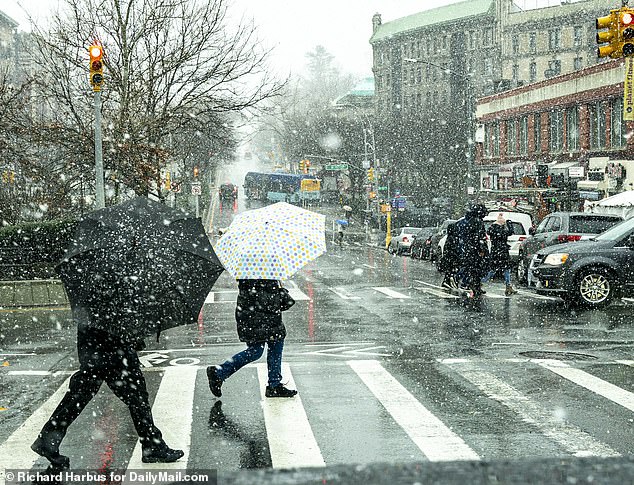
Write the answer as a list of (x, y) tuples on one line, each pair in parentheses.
[(99, 182)]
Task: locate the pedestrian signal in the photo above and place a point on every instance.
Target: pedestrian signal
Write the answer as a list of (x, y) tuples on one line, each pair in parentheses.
[(95, 52)]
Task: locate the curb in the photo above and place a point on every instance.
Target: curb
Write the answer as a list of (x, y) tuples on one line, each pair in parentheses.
[(32, 293)]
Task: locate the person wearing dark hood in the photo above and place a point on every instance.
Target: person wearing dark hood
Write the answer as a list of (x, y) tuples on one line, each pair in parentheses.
[(259, 321), (499, 259), (472, 248), (104, 357)]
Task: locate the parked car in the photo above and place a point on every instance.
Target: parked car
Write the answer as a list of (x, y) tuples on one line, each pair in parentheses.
[(590, 273), (402, 239), (435, 252), (228, 191), (520, 224), (558, 228), (421, 245)]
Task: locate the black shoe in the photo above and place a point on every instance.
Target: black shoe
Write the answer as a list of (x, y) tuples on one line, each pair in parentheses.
[(279, 391), (45, 448), (215, 382), (161, 454)]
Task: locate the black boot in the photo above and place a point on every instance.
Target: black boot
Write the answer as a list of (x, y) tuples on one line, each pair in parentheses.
[(215, 382), (279, 391), (47, 445), (160, 453)]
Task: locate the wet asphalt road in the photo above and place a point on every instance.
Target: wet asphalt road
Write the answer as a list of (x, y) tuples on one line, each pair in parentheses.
[(390, 368)]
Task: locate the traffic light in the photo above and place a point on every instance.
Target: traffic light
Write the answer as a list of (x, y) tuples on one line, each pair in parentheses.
[(304, 165), (626, 31), (301, 165), (196, 171), (371, 175), (95, 52), (609, 36)]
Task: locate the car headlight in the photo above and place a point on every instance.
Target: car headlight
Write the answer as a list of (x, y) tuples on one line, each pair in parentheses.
[(556, 259)]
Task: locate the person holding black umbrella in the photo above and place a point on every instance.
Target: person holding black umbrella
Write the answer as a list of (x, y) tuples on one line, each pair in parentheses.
[(133, 270)]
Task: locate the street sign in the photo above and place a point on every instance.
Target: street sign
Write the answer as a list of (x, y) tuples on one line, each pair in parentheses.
[(340, 166), (197, 188), (576, 172), (382, 187), (176, 187), (365, 164)]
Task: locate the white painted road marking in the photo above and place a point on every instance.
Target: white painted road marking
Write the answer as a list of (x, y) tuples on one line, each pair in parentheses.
[(344, 294), (429, 433), (569, 436), (291, 439), (172, 413), (16, 450), (389, 292), (590, 382)]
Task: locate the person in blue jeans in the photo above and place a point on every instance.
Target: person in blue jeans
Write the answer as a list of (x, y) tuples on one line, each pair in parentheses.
[(259, 322)]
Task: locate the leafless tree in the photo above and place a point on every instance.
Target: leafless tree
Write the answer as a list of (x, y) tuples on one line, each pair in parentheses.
[(171, 66)]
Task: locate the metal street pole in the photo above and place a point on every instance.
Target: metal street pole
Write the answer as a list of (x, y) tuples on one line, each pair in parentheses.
[(100, 197)]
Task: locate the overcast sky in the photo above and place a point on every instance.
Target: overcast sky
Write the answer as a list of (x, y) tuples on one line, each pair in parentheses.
[(295, 27)]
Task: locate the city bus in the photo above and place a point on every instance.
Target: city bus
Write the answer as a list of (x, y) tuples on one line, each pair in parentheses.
[(282, 187)]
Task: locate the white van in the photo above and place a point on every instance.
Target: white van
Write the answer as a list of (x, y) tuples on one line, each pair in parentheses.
[(521, 224)]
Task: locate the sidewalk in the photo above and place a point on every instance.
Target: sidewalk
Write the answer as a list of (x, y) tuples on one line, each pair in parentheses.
[(32, 293)]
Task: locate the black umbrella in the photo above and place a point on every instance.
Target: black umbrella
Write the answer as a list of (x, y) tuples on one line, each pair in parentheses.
[(138, 268)]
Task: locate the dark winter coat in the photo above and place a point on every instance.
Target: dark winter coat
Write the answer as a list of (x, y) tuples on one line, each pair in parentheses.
[(450, 260), (472, 246), (499, 257), (259, 310)]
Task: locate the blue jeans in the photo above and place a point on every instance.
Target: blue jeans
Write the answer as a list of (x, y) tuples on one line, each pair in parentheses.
[(491, 274), (252, 353)]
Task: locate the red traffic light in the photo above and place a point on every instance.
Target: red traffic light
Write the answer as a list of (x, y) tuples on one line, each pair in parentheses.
[(627, 18)]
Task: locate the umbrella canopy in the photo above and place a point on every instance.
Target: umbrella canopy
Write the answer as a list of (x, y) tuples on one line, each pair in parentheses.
[(138, 268), (272, 243)]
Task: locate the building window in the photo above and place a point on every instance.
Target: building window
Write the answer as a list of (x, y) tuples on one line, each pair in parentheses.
[(572, 129), (578, 36), (488, 67), (597, 125), (487, 140), (516, 72), (496, 139), (419, 75), (511, 137), (617, 128), (554, 68), (472, 40), (532, 69), (532, 42), (556, 131), (578, 63), (523, 135), (537, 132), (553, 39), (516, 44), (488, 37)]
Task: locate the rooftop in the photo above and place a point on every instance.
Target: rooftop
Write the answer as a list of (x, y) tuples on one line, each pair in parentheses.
[(435, 16)]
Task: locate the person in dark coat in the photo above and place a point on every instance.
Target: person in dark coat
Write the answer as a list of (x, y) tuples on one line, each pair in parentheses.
[(449, 263), (104, 357), (499, 259), (472, 248), (259, 322)]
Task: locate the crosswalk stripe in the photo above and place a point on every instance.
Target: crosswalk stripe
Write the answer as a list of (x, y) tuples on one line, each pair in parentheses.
[(429, 433), (569, 436), (291, 439), (172, 411), (16, 450), (389, 292), (431, 291), (344, 294), (593, 383), (535, 295)]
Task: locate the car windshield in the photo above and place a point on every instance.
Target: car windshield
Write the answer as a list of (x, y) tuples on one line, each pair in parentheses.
[(211, 254), (617, 232), (588, 224)]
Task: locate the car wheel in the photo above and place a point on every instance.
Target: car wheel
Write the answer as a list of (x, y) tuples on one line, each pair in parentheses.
[(595, 287), (522, 270), (390, 249)]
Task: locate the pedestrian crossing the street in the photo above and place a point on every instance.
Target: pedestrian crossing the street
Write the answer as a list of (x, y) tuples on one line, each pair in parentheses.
[(487, 410)]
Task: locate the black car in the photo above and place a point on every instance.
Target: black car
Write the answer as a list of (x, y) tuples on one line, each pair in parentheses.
[(420, 248), (559, 228), (228, 191), (590, 273)]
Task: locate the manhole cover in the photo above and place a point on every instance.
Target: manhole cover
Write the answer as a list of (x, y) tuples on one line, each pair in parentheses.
[(544, 354)]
